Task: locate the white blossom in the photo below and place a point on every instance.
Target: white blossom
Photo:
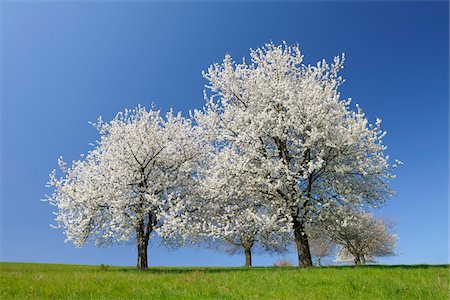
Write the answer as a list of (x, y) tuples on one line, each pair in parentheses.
[(120, 191), (360, 235)]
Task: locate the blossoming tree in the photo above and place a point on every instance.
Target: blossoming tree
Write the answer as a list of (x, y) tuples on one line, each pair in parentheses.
[(321, 244), (120, 190), (302, 146), (360, 235), (226, 215)]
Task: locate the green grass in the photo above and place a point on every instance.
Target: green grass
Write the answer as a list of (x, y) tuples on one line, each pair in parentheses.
[(47, 281)]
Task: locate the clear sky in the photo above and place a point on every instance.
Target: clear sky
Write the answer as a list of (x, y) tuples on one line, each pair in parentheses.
[(65, 64)]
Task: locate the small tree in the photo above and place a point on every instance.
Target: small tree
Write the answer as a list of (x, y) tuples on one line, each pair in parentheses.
[(248, 241), (225, 216), (321, 245), (361, 236), (119, 192)]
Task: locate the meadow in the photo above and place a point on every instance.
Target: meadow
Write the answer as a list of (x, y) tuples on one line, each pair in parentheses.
[(52, 281)]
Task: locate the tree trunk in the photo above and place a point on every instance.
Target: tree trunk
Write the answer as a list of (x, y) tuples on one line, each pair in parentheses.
[(248, 256), (363, 260), (357, 260), (301, 241), (142, 237), (142, 245)]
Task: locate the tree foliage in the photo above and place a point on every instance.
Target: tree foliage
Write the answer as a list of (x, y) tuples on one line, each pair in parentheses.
[(320, 243), (360, 235), (120, 191)]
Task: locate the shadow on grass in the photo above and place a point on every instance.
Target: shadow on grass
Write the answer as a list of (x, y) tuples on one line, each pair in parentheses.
[(375, 266), (420, 266), (186, 270)]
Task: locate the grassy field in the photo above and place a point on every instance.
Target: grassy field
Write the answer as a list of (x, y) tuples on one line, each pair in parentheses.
[(47, 281)]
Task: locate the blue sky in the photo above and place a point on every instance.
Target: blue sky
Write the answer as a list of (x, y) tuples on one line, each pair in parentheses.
[(65, 64)]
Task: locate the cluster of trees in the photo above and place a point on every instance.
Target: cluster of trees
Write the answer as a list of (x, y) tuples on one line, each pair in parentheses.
[(274, 152)]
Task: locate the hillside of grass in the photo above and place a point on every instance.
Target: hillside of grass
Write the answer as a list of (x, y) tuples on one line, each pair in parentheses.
[(49, 281)]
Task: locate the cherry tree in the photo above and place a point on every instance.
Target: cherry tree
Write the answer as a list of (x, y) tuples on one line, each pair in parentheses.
[(119, 191), (249, 231), (360, 235), (225, 215), (302, 146), (321, 244)]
